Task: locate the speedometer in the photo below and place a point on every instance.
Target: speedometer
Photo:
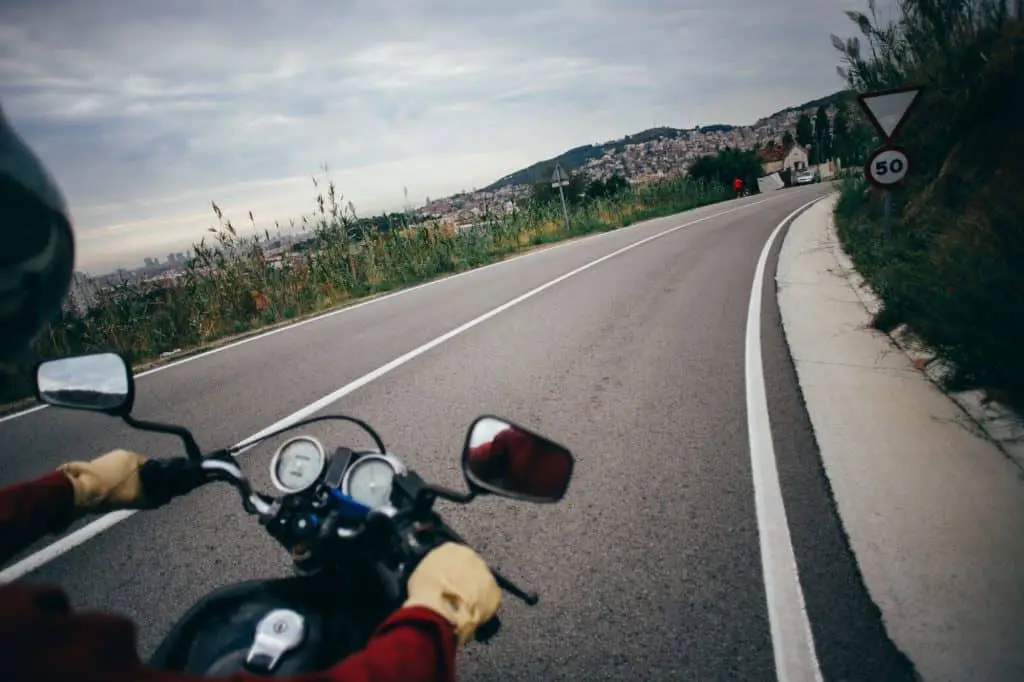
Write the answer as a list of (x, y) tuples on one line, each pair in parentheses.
[(297, 464), (369, 479)]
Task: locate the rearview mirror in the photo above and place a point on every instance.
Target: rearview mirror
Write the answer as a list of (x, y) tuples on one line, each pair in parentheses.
[(504, 459), (101, 382)]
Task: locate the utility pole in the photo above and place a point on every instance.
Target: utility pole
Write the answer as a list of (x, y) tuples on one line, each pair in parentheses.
[(559, 180)]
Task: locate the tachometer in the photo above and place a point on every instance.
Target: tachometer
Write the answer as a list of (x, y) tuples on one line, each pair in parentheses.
[(297, 464), (369, 480)]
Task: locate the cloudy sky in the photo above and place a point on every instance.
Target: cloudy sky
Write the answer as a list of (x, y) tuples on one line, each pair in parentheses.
[(147, 110)]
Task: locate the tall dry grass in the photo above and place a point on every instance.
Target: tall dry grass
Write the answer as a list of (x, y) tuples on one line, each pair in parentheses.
[(230, 286)]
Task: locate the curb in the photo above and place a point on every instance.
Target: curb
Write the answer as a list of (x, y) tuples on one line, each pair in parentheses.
[(994, 420)]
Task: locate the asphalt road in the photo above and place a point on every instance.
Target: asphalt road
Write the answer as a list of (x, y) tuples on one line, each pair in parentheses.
[(652, 564)]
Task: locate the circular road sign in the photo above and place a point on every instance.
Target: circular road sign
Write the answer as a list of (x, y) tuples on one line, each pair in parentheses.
[(887, 166)]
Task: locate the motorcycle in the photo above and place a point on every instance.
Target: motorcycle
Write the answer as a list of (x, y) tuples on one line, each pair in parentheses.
[(355, 522)]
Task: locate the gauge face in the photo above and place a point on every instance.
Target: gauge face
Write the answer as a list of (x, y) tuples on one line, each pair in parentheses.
[(298, 464), (369, 481)]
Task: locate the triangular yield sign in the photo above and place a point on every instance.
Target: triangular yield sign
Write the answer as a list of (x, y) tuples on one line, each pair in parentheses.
[(887, 110)]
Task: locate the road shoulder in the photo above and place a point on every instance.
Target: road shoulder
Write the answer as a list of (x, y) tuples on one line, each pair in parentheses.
[(930, 506)]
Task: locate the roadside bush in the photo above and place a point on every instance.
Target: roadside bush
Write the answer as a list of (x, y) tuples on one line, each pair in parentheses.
[(953, 270), (728, 164)]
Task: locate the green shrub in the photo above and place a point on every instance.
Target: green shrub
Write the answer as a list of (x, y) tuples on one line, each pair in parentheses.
[(231, 287), (953, 270)]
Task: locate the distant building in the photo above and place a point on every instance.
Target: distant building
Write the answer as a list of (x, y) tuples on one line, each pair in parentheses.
[(792, 157)]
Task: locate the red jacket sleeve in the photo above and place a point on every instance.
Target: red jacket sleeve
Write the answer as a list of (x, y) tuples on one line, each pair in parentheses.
[(30, 510), (47, 640)]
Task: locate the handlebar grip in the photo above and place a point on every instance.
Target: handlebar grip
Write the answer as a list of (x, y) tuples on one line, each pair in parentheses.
[(488, 629), (164, 479)]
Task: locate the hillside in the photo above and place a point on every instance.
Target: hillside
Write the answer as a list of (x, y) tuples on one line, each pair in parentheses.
[(830, 100), (579, 156)]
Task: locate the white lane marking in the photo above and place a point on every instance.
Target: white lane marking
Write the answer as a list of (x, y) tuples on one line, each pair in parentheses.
[(378, 299), (15, 415), (85, 533), (792, 640)]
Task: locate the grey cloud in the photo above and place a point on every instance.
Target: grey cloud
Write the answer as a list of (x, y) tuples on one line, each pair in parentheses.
[(132, 103)]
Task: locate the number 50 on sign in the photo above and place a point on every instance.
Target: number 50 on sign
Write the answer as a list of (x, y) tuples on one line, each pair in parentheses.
[(887, 166)]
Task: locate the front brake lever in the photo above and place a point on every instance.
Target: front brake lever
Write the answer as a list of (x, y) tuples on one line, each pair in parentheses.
[(221, 466), (528, 598)]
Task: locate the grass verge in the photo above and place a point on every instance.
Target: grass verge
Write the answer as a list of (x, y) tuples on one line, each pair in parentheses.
[(952, 268), (232, 289)]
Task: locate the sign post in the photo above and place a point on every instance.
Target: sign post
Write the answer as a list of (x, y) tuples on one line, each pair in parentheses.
[(888, 165), (559, 180)]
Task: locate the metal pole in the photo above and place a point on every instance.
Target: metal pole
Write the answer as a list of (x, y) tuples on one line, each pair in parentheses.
[(565, 211), (887, 214)]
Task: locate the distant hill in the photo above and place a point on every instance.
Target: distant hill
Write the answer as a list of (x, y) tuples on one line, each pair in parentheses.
[(578, 156), (829, 100)]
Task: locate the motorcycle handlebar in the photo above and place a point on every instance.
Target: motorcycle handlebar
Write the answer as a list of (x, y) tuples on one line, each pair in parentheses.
[(163, 480)]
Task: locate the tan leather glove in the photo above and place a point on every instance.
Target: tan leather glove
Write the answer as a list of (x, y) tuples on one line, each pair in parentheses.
[(107, 483), (454, 582)]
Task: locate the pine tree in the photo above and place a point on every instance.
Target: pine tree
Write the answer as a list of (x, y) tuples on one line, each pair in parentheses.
[(822, 136), (804, 130)]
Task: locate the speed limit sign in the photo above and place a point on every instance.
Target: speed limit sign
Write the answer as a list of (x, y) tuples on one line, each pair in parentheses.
[(887, 166)]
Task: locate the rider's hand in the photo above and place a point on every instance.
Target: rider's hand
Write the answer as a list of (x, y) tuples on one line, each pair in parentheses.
[(107, 483), (454, 582)]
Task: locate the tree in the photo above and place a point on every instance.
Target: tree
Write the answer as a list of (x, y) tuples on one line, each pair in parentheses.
[(770, 145), (841, 138), (822, 136), (787, 139), (575, 191), (596, 189), (616, 184), (804, 130), (606, 189), (727, 165)]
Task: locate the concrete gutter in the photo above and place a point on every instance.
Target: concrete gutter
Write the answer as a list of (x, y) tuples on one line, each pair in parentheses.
[(999, 423), (930, 505)]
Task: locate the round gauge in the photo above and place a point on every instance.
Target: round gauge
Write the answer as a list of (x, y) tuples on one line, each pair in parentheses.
[(369, 480), (297, 464)]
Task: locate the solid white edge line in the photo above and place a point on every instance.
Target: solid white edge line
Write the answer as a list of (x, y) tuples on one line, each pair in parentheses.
[(792, 640), (85, 533), (378, 299)]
